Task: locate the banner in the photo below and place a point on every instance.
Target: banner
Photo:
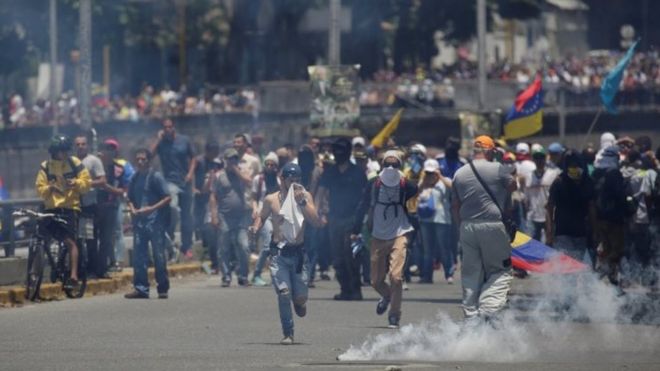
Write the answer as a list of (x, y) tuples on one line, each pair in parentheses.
[(335, 105)]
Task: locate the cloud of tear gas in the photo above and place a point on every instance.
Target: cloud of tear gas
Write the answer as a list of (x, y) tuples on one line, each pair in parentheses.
[(542, 316)]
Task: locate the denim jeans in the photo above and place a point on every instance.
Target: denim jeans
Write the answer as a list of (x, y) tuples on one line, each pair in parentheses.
[(120, 247), (107, 218), (265, 236), (289, 285), (181, 205), (436, 242), (141, 239), (210, 241), (234, 245)]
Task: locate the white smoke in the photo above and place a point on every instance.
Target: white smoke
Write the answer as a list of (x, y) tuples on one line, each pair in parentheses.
[(547, 310)]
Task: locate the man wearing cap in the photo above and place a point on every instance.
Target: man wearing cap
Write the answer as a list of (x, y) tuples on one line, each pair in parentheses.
[(288, 267), (264, 184), (108, 198), (537, 189), (177, 160), (89, 212), (205, 167), (486, 271), (231, 213), (385, 200), (340, 188), (610, 203), (555, 151)]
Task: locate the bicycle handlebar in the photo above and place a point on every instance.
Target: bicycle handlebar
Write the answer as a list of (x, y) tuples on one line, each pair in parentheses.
[(37, 215)]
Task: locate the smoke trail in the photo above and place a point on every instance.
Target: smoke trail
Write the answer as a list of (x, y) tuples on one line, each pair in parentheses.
[(549, 310)]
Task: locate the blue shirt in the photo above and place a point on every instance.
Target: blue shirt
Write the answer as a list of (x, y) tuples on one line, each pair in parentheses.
[(449, 167), (141, 194), (175, 156)]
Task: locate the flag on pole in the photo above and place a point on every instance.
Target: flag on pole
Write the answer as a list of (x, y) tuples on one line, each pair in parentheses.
[(525, 118), (386, 132), (611, 83)]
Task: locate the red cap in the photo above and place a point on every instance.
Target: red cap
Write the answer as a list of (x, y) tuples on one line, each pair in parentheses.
[(112, 143)]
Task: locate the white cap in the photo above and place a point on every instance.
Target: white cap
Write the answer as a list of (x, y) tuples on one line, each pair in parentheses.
[(272, 156), (418, 148), (359, 141), (431, 165), (522, 148)]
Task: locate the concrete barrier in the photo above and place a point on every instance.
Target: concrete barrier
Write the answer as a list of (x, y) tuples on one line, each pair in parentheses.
[(15, 295)]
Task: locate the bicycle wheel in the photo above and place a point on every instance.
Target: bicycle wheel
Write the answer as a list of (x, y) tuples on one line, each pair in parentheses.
[(35, 269), (78, 292)]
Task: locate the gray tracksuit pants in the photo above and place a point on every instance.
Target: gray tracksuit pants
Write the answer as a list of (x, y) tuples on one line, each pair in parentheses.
[(486, 271)]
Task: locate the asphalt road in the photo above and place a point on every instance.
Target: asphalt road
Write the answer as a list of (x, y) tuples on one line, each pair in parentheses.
[(205, 327)]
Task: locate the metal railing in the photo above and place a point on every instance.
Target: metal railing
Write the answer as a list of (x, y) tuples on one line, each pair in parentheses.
[(7, 233)]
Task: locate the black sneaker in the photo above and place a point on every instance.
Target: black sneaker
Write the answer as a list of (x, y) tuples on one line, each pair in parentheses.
[(325, 277), (383, 303), (244, 282), (393, 322), (225, 282), (162, 295), (136, 295), (301, 310)]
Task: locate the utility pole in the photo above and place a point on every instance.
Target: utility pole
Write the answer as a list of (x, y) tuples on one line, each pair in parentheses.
[(334, 34), (85, 63), (53, 63), (481, 52)]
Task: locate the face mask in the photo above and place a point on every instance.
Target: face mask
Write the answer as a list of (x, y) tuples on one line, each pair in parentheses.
[(390, 176), (574, 173)]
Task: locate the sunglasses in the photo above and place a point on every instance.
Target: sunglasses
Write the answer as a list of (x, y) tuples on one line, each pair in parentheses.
[(395, 165)]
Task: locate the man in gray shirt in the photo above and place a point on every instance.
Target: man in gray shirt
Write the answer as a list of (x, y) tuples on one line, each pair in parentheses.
[(88, 224), (486, 271)]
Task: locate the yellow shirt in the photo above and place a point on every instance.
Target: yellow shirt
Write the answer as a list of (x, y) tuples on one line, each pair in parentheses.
[(57, 173)]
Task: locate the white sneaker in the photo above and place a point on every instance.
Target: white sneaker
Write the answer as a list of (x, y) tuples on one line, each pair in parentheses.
[(287, 340)]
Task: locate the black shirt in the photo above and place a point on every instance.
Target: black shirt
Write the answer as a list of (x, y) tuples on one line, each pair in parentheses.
[(571, 202), (345, 189), (175, 156)]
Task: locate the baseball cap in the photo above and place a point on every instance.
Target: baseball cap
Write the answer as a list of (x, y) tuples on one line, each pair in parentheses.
[(431, 166), (484, 142), (555, 147), (522, 148), (420, 148), (392, 153), (230, 152), (359, 141), (111, 143), (291, 170), (537, 149)]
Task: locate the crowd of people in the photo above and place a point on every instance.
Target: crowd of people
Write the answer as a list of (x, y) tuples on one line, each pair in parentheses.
[(377, 216), (580, 77), (149, 104)]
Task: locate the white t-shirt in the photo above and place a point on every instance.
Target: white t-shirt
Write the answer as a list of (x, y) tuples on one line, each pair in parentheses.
[(537, 190)]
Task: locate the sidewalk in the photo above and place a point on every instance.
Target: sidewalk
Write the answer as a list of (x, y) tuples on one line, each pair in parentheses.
[(15, 295)]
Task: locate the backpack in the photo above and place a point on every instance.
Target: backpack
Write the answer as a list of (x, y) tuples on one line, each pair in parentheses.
[(426, 209), (375, 191), (610, 205), (75, 170)]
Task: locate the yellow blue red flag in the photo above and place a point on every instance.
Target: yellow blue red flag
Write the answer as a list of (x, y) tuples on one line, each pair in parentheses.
[(526, 116)]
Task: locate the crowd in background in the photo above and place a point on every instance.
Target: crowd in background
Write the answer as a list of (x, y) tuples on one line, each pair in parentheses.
[(580, 76)]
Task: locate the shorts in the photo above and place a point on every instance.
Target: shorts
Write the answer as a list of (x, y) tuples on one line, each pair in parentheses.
[(60, 231)]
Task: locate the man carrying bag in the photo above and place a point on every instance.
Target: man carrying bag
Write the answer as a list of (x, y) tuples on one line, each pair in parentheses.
[(479, 190)]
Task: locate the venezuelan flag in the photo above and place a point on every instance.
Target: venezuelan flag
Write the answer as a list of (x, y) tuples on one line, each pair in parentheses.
[(526, 116), (531, 255)]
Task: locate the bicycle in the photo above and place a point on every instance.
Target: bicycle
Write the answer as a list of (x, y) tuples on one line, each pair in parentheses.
[(43, 249)]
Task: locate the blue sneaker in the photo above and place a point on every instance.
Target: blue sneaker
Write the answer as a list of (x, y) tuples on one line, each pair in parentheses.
[(381, 308)]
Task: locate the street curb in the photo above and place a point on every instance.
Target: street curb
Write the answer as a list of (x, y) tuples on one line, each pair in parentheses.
[(11, 296)]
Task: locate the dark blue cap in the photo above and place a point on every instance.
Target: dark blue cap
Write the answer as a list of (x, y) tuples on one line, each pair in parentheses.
[(291, 170)]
